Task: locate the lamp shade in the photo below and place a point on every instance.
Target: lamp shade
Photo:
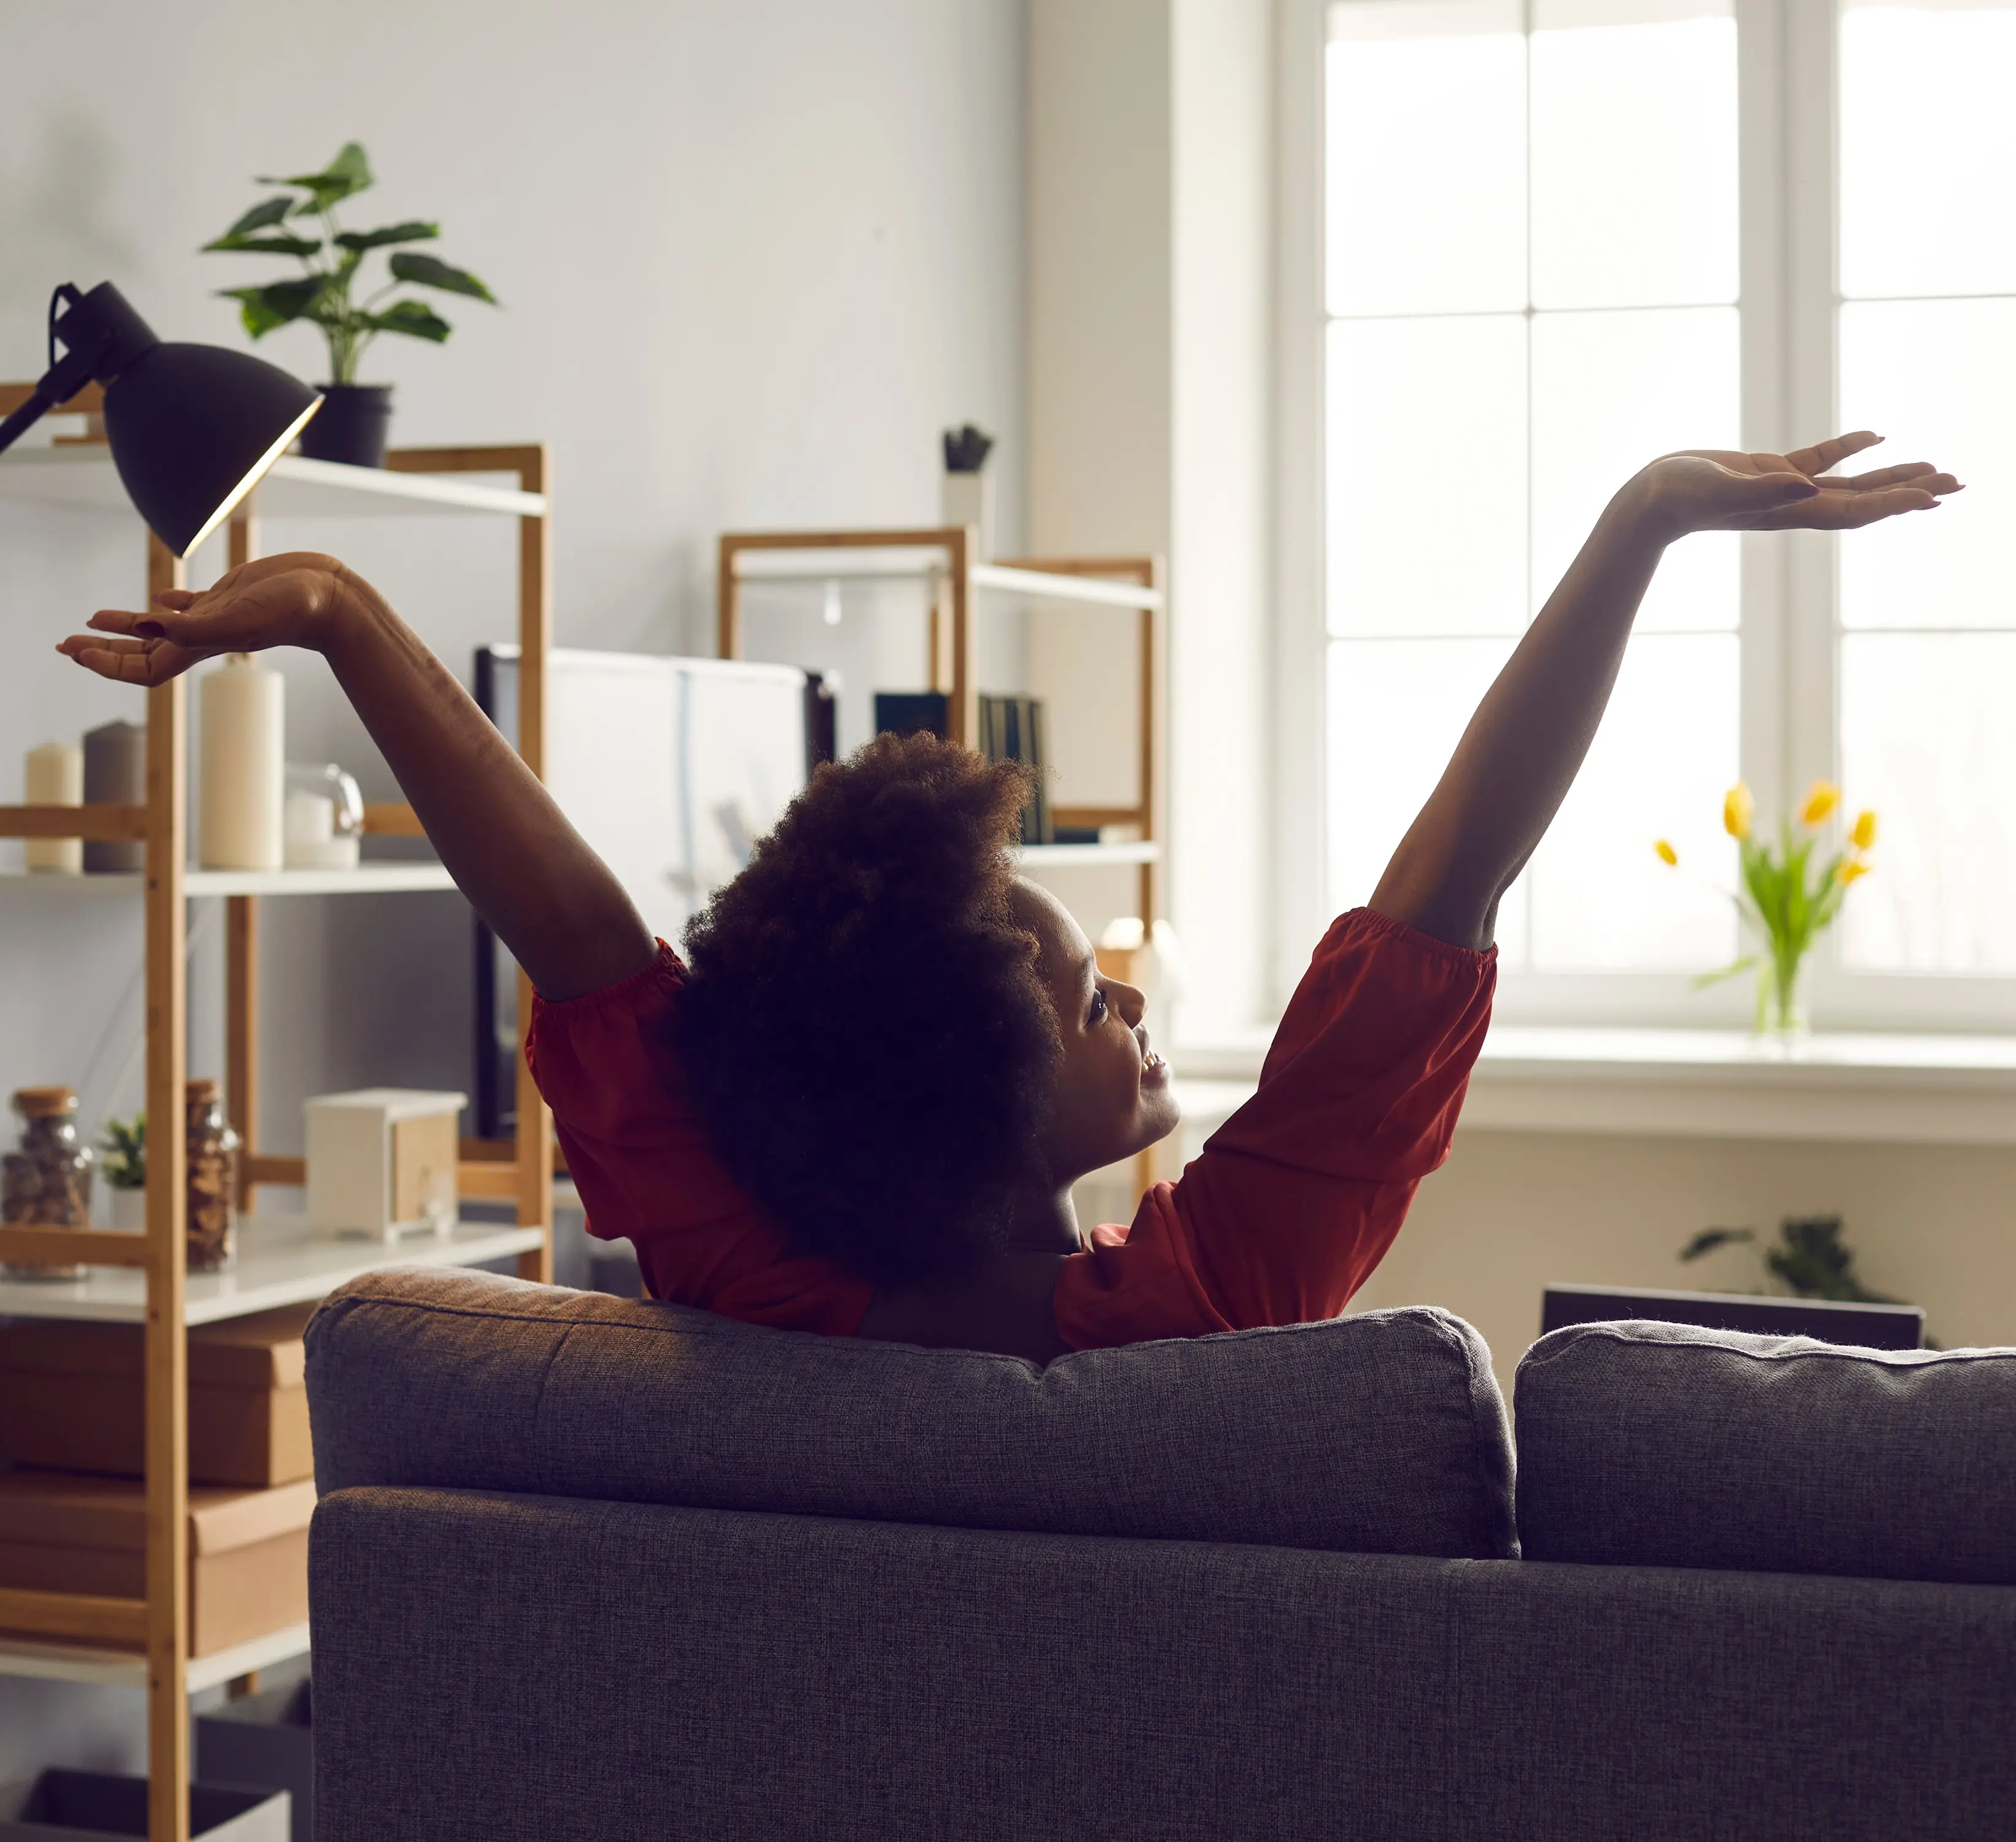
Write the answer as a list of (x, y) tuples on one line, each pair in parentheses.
[(193, 427)]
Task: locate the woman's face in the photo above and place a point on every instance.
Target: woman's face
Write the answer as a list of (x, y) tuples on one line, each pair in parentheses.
[(1112, 1096)]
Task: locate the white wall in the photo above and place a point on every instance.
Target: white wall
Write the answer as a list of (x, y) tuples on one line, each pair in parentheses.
[(1151, 144), (753, 259), (1511, 1212)]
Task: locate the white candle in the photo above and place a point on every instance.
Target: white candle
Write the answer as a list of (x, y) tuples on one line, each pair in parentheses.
[(54, 777), (244, 767)]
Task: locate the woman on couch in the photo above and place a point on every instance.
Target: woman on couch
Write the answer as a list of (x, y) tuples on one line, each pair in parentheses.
[(859, 1104)]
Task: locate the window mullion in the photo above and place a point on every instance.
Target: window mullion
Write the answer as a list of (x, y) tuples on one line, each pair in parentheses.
[(1811, 219), (1764, 211)]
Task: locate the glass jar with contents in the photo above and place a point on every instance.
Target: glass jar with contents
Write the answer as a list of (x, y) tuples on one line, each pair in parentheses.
[(212, 1147), (46, 1182)]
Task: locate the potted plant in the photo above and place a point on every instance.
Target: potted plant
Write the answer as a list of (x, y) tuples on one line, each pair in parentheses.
[(352, 422), (123, 1143), (1787, 899)]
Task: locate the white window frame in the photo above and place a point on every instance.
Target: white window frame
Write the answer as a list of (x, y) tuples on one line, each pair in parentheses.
[(1789, 724)]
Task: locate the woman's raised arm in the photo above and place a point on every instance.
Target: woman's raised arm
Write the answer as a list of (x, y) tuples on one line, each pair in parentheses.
[(1526, 743), (510, 850)]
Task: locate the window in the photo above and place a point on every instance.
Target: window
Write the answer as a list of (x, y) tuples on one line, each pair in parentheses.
[(1928, 618), (1556, 246)]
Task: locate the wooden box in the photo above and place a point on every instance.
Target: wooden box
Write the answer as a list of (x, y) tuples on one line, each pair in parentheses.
[(71, 1398), (60, 1532), (383, 1161)]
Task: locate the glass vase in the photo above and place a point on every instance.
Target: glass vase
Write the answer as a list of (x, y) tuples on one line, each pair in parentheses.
[(1781, 997)]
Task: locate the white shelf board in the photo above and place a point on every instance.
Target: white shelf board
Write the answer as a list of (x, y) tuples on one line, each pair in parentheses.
[(1102, 591), (82, 479), (367, 879), (54, 1661), (841, 564), (1086, 856), (279, 1262), (891, 565)]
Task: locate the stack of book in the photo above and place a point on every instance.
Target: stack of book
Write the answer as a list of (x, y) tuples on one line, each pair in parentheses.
[(1011, 729)]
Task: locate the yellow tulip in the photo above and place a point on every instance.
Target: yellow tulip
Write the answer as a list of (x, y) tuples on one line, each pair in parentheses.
[(1667, 854), (1864, 834), (1822, 797), (1737, 808), (1850, 871)]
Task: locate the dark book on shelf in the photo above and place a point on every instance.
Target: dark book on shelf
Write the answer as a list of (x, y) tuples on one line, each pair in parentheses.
[(1012, 729), (913, 713)]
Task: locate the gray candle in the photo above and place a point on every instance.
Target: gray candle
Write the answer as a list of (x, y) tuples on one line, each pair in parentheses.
[(115, 774)]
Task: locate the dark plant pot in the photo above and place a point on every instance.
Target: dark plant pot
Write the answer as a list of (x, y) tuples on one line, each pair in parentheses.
[(350, 426)]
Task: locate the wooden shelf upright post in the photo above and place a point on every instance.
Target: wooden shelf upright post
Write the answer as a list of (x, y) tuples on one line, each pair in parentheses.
[(241, 949), (535, 640)]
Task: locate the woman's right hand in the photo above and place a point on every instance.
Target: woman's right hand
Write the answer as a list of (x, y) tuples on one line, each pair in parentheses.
[(295, 599)]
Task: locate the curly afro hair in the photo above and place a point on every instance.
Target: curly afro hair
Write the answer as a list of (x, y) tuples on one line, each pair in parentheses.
[(868, 1039)]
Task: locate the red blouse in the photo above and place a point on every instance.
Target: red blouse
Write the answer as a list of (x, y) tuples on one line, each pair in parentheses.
[(1280, 1219)]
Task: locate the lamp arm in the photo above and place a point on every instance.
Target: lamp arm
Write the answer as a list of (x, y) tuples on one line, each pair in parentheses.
[(103, 335)]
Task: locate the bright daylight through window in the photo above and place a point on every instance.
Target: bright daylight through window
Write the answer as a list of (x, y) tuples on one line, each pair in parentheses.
[(1542, 295), (1928, 620)]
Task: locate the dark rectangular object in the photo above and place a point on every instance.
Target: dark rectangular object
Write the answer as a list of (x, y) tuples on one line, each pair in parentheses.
[(822, 722), (59, 1806), (1867, 1327), (913, 713), (266, 1740), (496, 972)]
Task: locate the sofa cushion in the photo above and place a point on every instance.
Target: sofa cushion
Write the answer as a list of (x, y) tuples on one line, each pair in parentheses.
[(1664, 1445), (1381, 1433)]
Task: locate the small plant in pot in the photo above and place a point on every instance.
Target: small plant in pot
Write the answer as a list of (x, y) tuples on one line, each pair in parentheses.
[(124, 1162), (352, 422)]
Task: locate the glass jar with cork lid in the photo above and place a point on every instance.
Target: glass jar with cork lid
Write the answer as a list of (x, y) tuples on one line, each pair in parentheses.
[(212, 1147), (45, 1182)]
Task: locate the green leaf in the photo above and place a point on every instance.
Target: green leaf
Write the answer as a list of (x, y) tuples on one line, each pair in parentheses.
[(1702, 981), (266, 245), (1709, 1239), (430, 271), (262, 310), (270, 211), (349, 173), (413, 232), (413, 318)]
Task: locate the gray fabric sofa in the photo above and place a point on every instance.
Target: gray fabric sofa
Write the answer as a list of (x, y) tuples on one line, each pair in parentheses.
[(587, 1568)]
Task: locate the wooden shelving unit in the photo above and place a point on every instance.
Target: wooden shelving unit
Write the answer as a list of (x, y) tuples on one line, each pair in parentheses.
[(947, 560), (143, 1278)]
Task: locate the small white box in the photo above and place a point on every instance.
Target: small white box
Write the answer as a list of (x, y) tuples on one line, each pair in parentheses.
[(383, 1162)]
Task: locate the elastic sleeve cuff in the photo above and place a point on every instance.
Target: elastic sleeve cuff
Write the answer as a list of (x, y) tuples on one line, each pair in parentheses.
[(1371, 922), (666, 970)]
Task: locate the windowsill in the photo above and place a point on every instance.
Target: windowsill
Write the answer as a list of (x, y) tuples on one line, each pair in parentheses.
[(1712, 1084)]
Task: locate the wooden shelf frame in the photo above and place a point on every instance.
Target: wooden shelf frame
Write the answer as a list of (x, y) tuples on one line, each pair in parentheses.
[(948, 559), (158, 1626)]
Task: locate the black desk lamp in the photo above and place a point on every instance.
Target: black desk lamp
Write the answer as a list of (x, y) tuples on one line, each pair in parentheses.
[(191, 427)]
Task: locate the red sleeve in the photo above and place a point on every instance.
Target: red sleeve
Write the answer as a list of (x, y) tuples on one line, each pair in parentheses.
[(1295, 1200), (640, 1159)]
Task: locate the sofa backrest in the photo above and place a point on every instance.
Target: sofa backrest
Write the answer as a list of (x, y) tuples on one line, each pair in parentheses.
[(1379, 1433), (1663, 1445)]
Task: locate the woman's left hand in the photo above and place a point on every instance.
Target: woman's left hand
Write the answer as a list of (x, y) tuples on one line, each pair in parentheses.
[(299, 598), (1713, 489)]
